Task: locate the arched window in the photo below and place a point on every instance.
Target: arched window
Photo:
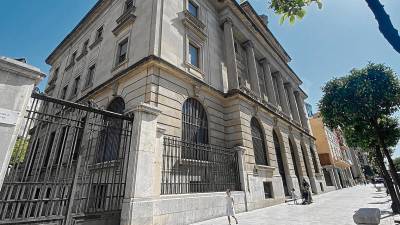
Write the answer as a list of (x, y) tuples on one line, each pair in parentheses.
[(111, 133), (194, 122), (279, 159), (260, 152)]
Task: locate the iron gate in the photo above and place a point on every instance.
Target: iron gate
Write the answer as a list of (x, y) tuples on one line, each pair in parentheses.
[(69, 161)]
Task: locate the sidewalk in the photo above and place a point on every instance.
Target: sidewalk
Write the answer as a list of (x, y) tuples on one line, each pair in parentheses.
[(333, 208)]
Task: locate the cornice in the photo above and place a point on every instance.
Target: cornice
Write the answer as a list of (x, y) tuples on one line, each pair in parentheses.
[(94, 12), (156, 61)]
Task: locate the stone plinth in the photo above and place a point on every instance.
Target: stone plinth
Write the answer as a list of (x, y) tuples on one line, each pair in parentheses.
[(367, 216), (17, 80)]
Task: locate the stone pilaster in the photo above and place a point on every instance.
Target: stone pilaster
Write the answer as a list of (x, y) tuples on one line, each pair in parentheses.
[(269, 83), (282, 94), (252, 66), (242, 173), (292, 103), (143, 167), (230, 55), (302, 112)]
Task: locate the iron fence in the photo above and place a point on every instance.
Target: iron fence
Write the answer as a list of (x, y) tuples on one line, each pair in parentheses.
[(55, 174), (198, 168)]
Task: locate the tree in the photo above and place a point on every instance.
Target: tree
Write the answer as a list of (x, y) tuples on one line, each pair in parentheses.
[(296, 9), (361, 103), (396, 162), (19, 151)]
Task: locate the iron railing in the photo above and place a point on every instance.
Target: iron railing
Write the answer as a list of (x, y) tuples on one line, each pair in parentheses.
[(54, 174), (198, 168)]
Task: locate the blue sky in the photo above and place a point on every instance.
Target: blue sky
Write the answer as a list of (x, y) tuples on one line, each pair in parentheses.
[(326, 43)]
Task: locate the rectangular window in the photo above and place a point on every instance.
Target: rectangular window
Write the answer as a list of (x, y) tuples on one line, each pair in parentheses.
[(122, 51), (90, 75), (268, 190), (73, 57), (64, 92), (193, 9), (85, 46), (99, 33), (194, 55), (75, 86), (128, 5)]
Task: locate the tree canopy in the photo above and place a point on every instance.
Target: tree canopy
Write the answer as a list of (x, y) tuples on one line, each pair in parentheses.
[(397, 163), (366, 95), (296, 9)]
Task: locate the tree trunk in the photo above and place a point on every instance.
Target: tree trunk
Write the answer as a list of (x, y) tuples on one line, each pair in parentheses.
[(385, 24), (388, 179), (392, 167)]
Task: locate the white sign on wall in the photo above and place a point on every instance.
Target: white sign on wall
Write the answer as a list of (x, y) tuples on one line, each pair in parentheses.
[(8, 116)]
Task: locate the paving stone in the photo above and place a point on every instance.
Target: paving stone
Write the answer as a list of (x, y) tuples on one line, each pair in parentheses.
[(333, 208)]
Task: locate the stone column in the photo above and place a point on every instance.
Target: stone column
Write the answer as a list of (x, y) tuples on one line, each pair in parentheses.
[(230, 55), (282, 94), (252, 66), (269, 83), (301, 108), (292, 103), (242, 173), (143, 168)]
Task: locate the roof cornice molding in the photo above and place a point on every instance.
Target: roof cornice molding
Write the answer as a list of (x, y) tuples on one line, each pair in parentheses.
[(93, 14)]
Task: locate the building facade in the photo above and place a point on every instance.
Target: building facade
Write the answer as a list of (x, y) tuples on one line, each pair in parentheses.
[(215, 106), (335, 156)]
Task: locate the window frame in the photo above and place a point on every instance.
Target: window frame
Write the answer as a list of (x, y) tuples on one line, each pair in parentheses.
[(85, 47), (73, 57), (190, 59), (126, 8), (90, 75), (193, 5), (64, 92), (255, 125), (99, 33), (124, 41), (75, 86), (191, 108)]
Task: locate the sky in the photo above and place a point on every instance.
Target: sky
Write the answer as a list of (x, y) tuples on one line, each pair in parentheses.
[(326, 43)]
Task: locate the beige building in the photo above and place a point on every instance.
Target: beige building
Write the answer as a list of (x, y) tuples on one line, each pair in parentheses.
[(216, 106), (335, 156)]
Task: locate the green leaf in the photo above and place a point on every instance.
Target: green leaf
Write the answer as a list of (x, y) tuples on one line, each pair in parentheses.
[(292, 19), (282, 19), (301, 14)]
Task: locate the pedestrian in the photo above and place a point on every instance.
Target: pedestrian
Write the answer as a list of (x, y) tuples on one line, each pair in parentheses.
[(294, 196), (230, 210), (306, 193)]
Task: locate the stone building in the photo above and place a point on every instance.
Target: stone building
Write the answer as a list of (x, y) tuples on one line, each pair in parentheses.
[(215, 105), (335, 156)]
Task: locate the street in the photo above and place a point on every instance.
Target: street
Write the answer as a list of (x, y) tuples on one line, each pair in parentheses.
[(333, 208)]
